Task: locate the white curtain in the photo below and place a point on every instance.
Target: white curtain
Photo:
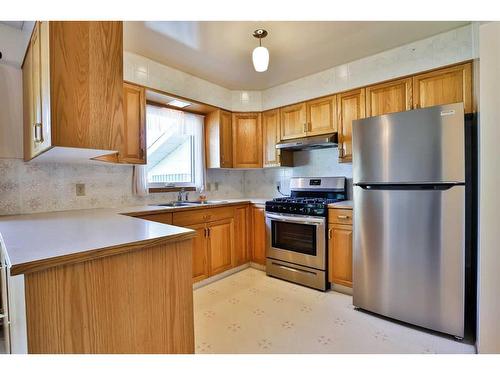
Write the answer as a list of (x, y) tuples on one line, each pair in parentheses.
[(157, 120)]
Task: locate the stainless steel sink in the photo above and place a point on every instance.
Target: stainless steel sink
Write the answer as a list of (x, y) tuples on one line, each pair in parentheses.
[(173, 204), (188, 203), (207, 202)]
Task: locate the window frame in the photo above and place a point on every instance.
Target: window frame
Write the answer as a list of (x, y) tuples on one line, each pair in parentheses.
[(160, 187)]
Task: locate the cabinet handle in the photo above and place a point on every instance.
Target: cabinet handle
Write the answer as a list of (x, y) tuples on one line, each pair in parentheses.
[(205, 232), (330, 233), (208, 232), (341, 150), (38, 135), (343, 217), (305, 127)]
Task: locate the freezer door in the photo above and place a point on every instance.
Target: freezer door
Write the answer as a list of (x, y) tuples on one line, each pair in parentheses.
[(423, 145), (408, 261)]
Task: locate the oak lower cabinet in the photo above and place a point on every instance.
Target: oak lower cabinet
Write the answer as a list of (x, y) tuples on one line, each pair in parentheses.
[(444, 86), (73, 90), (247, 140), (214, 245), (351, 106), (259, 239), (321, 116), (340, 238), (272, 157), (242, 233), (219, 139), (220, 245), (389, 97), (200, 252)]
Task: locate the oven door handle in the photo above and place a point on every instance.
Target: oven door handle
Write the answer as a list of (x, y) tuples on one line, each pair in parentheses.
[(293, 219)]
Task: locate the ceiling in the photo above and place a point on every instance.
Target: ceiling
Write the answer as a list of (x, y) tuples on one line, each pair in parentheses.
[(15, 24), (220, 52)]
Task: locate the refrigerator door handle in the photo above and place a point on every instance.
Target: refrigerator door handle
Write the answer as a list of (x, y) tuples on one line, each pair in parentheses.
[(437, 186)]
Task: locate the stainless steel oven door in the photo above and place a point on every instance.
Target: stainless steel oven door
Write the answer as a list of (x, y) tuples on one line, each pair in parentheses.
[(296, 239)]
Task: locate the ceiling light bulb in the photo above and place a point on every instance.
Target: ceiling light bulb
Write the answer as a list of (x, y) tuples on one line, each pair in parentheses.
[(260, 57)]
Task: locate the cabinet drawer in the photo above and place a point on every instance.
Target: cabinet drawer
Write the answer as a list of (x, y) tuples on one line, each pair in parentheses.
[(339, 216), (183, 218), (165, 218)]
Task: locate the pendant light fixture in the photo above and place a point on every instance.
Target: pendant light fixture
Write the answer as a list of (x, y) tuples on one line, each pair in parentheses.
[(260, 55)]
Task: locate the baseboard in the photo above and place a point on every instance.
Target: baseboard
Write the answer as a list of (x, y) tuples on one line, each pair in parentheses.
[(219, 276), (341, 289), (257, 266)]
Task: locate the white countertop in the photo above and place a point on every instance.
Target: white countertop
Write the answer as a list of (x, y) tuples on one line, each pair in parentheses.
[(342, 204), (36, 237)]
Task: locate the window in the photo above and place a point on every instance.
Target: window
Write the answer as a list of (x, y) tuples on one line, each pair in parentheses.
[(175, 151)]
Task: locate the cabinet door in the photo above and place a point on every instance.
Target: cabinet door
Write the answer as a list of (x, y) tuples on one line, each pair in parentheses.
[(293, 121), (322, 116), (87, 83), (351, 106), (226, 140), (444, 86), (221, 245), (200, 252), (28, 105), (389, 97), (270, 126), (36, 93), (259, 235), (241, 234), (247, 140), (133, 147), (340, 254)]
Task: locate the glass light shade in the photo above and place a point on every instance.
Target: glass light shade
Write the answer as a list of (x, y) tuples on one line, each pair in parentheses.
[(260, 57)]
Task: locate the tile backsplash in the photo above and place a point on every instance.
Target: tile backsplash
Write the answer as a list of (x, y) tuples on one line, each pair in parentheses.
[(41, 187)]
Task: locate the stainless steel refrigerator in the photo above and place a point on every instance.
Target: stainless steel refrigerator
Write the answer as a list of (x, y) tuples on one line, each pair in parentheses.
[(409, 188)]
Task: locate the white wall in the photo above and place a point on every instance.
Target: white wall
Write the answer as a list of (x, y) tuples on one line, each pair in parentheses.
[(439, 50), (11, 112), (144, 71), (489, 183)]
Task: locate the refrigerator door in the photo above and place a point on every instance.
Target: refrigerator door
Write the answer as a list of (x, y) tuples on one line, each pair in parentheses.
[(408, 261), (423, 145)]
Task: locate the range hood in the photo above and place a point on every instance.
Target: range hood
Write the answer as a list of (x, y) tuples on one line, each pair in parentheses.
[(309, 143)]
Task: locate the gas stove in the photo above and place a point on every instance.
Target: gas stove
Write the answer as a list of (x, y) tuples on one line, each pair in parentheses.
[(296, 228), (309, 196)]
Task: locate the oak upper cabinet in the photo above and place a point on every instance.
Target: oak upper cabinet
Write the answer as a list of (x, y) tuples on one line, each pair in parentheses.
[(247, 140), (259, 234), (221, 245), (321, 116), (351, 106), (219, 139), (293, 121), (271, 136), (242, 231), (444, 86), (36, 93), (73, 88), (133, 148), (389, 97)]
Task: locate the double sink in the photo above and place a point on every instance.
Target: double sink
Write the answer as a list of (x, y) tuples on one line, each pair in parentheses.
[(188, 203)]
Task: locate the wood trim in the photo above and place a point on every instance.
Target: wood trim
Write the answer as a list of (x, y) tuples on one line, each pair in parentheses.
[(161, 105), (171, 189), (39, 265)]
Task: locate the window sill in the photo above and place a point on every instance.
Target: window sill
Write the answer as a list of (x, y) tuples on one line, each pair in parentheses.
[(171, 189)]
